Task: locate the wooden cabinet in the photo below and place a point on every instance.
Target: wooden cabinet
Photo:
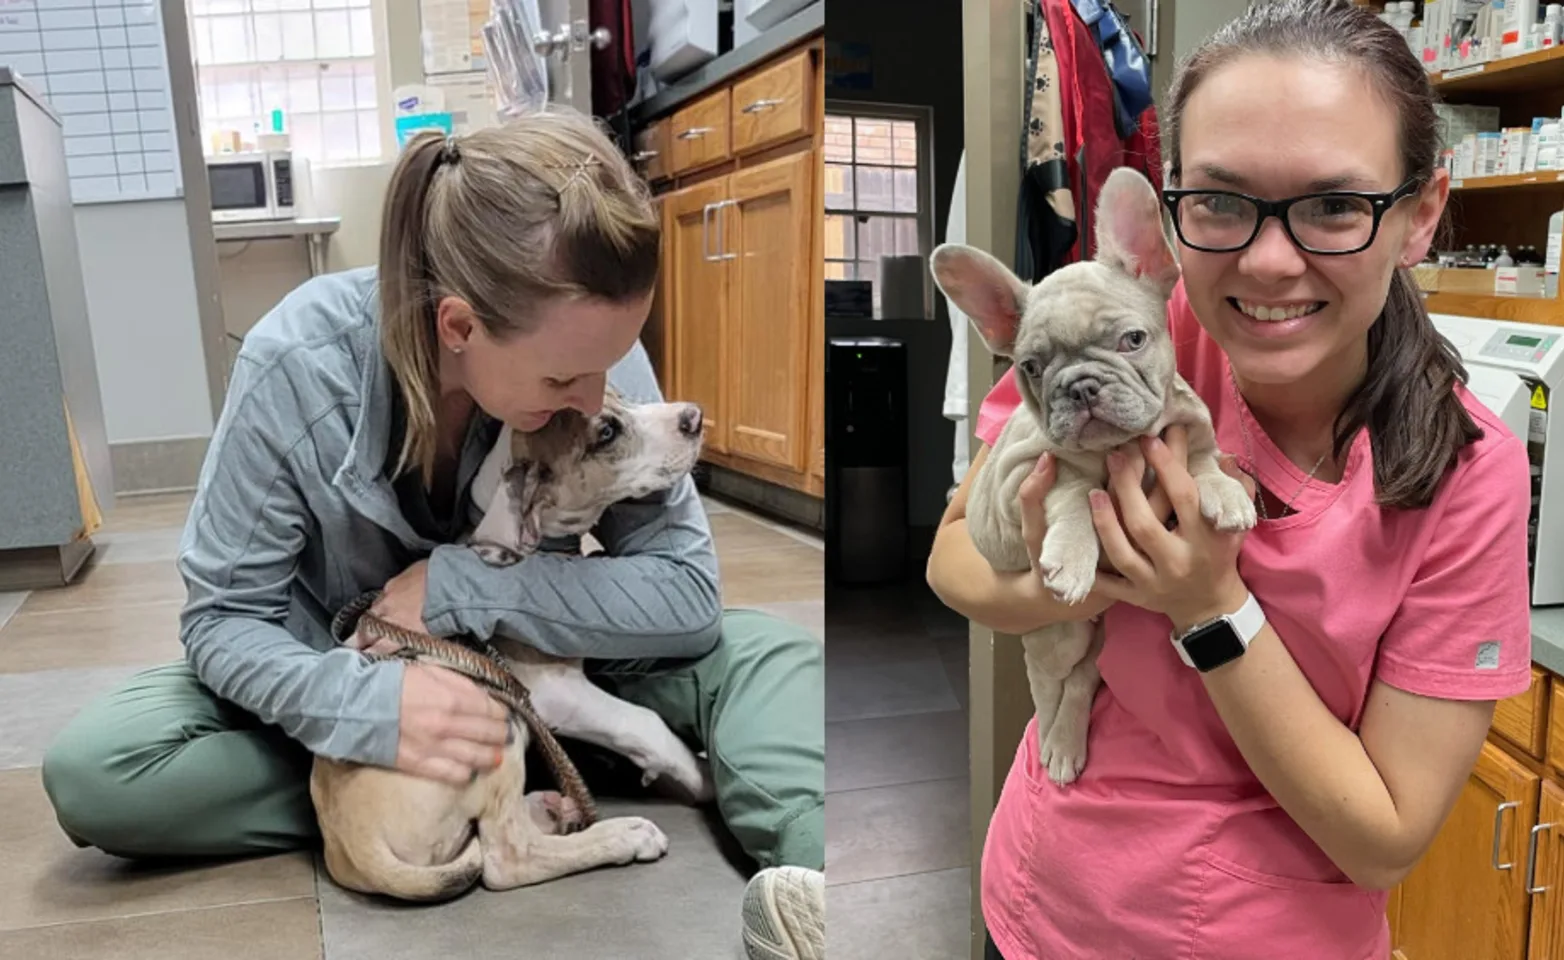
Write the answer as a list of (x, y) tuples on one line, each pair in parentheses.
[(774, 104), (1491, 887), (698, 303), (739, 320), (769, 310), (1520, 718), (1547, 889), (1467, 899), (700, 133)]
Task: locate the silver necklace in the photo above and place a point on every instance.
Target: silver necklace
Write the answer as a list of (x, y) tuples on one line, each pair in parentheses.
[(1254, 467)]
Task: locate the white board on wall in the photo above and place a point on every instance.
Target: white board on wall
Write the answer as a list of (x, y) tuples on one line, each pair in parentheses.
[(103, 66)]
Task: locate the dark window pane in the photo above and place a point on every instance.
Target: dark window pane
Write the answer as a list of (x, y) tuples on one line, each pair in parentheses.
[(873, 141), (876, 239), (905, 136), (838, 186), (907, 191), (875, 188), (839, 139)]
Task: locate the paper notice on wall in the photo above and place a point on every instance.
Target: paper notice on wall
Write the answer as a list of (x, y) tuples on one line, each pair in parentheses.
[(469, 99), (453, 35)]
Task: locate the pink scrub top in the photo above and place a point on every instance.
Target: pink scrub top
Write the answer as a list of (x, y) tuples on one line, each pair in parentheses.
[(1168, 846)]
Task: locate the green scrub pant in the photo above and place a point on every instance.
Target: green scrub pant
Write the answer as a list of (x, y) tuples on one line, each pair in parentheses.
[(161, 767)]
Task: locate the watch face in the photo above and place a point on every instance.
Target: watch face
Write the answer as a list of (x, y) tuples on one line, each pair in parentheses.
[(1213, 645)]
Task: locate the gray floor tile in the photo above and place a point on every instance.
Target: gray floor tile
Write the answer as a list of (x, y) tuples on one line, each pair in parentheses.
[(892, 638), (683, 907), (955, 653), (887, 751), (805, 613), (860, 688), (35, 706), (922, 917), (9, 604), (138, 546), (896, 831)]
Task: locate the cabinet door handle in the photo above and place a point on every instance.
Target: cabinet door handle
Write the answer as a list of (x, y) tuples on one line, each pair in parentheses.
[(695, 133), (705, 221), (722, 230), (1498, 820), (762, 104), (640, 155), (1531, 859)]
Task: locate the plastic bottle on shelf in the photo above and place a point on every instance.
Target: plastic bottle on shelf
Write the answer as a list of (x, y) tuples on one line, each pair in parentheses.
[(1504, 259)]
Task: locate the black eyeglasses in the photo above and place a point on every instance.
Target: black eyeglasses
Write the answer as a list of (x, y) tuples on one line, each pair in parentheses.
[(1332, 223)]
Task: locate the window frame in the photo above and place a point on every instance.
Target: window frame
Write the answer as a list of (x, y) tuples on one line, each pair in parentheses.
[(922, 117), (378, 58)]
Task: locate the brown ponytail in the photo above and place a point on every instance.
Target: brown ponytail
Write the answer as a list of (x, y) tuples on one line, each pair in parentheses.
[(1417, 425), (504, 218)]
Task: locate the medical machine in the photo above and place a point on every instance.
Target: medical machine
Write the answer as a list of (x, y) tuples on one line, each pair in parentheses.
[(1515, 369)]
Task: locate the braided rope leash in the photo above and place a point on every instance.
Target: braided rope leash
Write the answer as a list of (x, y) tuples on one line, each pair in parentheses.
[(489, 670)]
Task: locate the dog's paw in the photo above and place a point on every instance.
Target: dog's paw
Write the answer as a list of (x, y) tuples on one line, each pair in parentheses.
[(1069, 561), (687, 778), (1225, 502), (495, 555), (1062, 751), (1069, 579), (642, 840)]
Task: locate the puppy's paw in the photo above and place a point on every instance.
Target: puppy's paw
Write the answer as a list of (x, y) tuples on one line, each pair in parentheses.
[(1063, 749), (639, 839), (1069, 566), (495, 555), (1224, 502)]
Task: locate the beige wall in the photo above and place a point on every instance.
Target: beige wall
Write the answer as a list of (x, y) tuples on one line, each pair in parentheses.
[(257, 274)]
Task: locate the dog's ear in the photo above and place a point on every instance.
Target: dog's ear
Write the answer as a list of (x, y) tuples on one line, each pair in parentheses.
[(1130, 237), (526, 479), (984, 289)]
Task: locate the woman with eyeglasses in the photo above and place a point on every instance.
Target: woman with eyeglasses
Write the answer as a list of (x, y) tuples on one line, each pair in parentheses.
[(1286, 716)]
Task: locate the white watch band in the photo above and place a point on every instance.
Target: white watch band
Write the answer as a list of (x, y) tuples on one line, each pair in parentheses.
[(1246, 621)]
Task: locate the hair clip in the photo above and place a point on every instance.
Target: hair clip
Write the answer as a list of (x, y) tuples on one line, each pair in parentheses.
[(578, 172), (448, 152)]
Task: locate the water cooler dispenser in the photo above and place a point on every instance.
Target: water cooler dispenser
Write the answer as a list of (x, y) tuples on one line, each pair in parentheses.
[(866, 485)]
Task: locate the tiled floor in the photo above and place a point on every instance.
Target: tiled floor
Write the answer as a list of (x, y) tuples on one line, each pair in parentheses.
[(60, 648), (897, 862)]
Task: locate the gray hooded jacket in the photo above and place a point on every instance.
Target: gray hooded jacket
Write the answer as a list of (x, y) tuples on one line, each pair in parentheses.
[(294, 515)]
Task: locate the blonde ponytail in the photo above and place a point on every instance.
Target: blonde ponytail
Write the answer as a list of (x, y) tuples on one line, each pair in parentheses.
[(503, 218)]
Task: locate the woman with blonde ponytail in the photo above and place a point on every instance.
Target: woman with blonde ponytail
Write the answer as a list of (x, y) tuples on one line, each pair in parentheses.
[(516, 270)]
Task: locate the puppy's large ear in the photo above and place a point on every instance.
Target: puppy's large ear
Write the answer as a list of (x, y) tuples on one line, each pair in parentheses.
[(984, 289), (526, 483), (509, 530), (1129, 231)]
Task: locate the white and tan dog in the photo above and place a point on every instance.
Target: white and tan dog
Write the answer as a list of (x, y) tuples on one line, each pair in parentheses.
[(1095, 368), (391, 833)]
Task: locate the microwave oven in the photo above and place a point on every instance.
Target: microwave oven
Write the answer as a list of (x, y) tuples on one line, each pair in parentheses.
[(253, 185)]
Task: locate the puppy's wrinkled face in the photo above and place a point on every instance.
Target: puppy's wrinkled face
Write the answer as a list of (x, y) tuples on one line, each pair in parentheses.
[(1093, 358), (579, 466)]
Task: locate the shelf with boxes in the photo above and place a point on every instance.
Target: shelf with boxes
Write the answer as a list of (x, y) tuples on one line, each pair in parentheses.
[(1497, 69)]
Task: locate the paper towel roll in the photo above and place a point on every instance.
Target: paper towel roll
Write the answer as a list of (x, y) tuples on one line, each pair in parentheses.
[(902, 287)]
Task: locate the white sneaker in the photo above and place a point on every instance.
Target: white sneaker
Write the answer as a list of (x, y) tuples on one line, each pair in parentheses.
[(784, 914)]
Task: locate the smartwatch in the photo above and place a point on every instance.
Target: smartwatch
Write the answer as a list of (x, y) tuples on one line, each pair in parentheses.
[(1209, 645)]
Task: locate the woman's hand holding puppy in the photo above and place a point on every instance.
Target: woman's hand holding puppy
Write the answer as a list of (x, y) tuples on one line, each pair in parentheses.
[(1189, 573)]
